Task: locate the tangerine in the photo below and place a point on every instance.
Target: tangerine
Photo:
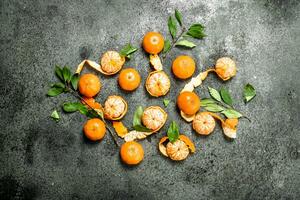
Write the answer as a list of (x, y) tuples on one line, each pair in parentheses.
[(153, 42), (89, 85), (188, 102), (129, 79), (132, 153), (94, 129), (183, 67)]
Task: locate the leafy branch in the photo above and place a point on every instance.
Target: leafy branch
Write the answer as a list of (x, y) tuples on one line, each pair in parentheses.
[(69, 84), (195, 31)]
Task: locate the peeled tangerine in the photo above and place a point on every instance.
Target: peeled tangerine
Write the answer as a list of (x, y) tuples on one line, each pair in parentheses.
[(225, 68), (154, 117), (204, 123), (178, 150), (115, 108), (111, 62), (158, 83)]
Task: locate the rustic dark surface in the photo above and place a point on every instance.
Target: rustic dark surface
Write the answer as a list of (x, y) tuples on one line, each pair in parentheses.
[(42, 159)]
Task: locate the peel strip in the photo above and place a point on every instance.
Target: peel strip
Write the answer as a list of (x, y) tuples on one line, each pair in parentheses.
[(120, 129), (162, 148), (188, 142)]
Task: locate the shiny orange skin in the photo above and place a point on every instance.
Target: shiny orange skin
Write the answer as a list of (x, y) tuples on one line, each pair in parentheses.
[(183, 67), (188, 102), (153, 42), (89, 85), (94, 129), (132, 153), (129, 79)]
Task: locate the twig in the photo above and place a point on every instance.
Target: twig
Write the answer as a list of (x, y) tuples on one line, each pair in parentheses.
[(183, 29), (75, 94)]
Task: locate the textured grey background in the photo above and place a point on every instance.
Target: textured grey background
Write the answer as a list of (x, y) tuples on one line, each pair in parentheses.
[(42, 159)]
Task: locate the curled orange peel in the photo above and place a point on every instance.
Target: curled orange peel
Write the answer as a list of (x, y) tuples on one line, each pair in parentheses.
[(188, 142), (120, 129), (162, 148), (156, 62)]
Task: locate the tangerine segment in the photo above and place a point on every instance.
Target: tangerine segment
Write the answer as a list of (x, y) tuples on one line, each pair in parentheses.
[(115, 107), (91, 102), (89, 85), (204, 123), (153, 42), (120, 129), (188, 142), (132, 153), (94, 129), (183, 67), (158, 83), (111, 62), (129, 79), (177, 150), (225, 68), (188, 102), (154, 117)]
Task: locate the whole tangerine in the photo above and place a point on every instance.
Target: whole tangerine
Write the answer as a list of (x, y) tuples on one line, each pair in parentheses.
[(89, 85), (132, 153), (153, 42), (129, 79), (94, 129), (183, 67), (188, 102)]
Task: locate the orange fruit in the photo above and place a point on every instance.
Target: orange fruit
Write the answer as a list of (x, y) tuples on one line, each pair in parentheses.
[(183, 67), (94, 129), (111, 62), (89, 85), (132, 153), (129, 79), (153, 42), (188, 102)]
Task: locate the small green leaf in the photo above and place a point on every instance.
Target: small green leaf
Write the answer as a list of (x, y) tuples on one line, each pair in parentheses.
[(55, 115), (185, 43), (249, 92), (214, 94), (178, 17), (83, 109), (72, 106), (54, 91), (58, 72), (74, 81), (207, 101), (230, 113), (172, 27), (167, 46), (137, 120), (93, 114), (196, 31), (66, 74), (127, 50), (58, 85), (166, 102), (173, 132), (226, 96), (213, 108)]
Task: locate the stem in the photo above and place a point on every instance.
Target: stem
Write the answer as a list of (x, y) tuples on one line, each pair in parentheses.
[(230, 107), (75, 94), (174, 41)]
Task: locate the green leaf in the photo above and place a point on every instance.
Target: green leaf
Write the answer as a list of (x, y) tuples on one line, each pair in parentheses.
[(178, 17), (166, 102), (54, 91), (66, 74), (249, 92), (230, 113), (74, 81), (58, 72), (55, 115), (226, 96), (172, 26), (83, 109), (167, 46), (127, 50), (213, 108), (58, 85), (173, 132), (206, 101), (137, 120), (196, 31), (72, 106), (185, 43), (214, 94)]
